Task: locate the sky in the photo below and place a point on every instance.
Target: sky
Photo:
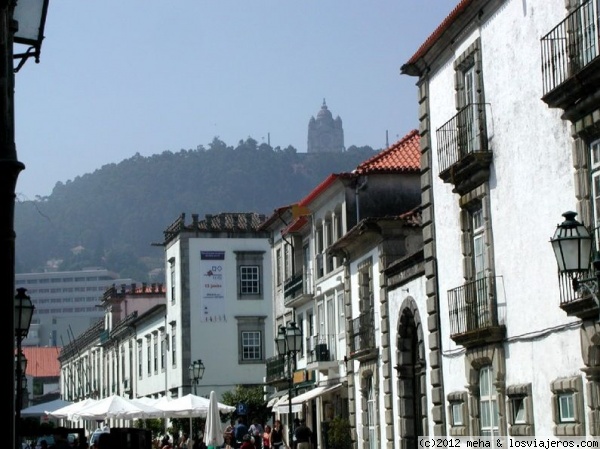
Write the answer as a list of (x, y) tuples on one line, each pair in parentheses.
[(119, 77)]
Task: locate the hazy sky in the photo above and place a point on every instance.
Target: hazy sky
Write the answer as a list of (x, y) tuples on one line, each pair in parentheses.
[(119, 77)]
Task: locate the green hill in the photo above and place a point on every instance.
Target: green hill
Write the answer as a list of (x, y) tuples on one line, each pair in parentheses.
[(112, 216)]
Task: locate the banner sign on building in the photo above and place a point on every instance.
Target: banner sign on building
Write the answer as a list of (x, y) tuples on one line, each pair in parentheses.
[(212, 288)]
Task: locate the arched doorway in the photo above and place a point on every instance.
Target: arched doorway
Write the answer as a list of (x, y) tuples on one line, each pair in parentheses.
[(411, 376)]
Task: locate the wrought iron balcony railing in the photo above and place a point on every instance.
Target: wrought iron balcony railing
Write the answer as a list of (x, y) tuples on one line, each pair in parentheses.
[(276, 369), (362, 335), (298, 285), (464, 134), (570, 46), (474, 316), (320, 348)]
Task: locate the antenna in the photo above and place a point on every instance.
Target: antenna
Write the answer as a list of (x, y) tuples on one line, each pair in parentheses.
[(387, 140)]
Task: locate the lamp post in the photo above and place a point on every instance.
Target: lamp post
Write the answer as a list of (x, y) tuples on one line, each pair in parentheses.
[(572, 245), (289, 343), (196, 373), (23, 308), (21, 22)]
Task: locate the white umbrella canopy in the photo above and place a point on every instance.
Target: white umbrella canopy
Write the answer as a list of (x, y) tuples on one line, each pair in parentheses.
[(213, 432), (65, 412), (42, 409), (191, 406), (116, 407)]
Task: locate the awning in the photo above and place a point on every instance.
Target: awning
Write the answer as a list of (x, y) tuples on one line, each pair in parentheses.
[(274, 400), (283, 405)]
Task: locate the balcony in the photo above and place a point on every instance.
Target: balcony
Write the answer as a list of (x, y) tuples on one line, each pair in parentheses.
[(474, 317), (570, 62), (276, 371), (321, 353), (463, 154), (362, 337), (577, 303), (297, 290)]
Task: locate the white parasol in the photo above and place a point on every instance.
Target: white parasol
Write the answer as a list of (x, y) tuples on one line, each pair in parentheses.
[(190, 406), (65, 412), (116, 407), (213, 433)]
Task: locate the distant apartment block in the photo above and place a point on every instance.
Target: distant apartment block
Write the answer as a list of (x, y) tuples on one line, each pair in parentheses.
[(66, 303)]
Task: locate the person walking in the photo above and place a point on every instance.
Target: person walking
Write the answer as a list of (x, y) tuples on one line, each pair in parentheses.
[(278, 436), (266, 437), (239, 431), (303, 436)]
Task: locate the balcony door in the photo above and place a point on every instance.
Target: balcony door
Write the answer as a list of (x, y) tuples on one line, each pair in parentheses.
[(589, 19), (470, 116)]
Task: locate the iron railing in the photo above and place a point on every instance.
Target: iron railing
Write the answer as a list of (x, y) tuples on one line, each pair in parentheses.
[(473, 306), (362, 336), (570, 46), (298, 284), (320, 348), (463, 134), (276, 368)]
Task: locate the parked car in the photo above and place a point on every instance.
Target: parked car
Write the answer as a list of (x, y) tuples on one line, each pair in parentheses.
[(96, 434)]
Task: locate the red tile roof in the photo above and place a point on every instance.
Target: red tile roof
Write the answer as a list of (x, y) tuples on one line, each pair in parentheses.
[(42, 362), (433, 37), (403, 156)]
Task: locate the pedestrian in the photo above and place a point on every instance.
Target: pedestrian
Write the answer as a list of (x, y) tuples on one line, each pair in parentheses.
[(266, 437), (256, 430), (303, 436), (247, 442), (239, 431), (278, 436)]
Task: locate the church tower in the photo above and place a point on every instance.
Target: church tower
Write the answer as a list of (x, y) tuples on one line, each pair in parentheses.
[(325, 135)]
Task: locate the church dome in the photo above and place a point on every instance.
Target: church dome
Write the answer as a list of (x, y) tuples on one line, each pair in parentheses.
[(324, 113)]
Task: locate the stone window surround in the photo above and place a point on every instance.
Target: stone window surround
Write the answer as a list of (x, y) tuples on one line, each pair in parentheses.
[(459, 398), (471, 57), (572, 385), (251, 324), (520, 392), (491, 355), (250, 258)]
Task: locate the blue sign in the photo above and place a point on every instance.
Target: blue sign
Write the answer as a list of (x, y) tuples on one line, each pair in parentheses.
[(242, 409)]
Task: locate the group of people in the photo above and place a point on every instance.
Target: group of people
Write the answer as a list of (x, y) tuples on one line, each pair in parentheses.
[(240, 436)]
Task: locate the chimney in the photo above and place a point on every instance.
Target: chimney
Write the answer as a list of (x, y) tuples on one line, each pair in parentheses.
[(195, 221), (209, 218)]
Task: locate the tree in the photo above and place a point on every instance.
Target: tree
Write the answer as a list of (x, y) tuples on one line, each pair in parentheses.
[(252, 397)]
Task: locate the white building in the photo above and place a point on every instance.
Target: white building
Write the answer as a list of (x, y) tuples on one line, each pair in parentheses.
[(317, 287), (66, 303), (219, 301), (509, 111)]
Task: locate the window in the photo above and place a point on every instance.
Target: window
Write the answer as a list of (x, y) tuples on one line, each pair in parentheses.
[(341, 314), (249, 274), (139, 351), (250, 339), (251, 346), (155, 354), (163, 351), (567, 406), (456, 413), (249, 280), (457, 410), (149, 354), (278, 266), (172, 278), (520, 410), (173, 348), (595, 168), (371, 414), (488, 403)]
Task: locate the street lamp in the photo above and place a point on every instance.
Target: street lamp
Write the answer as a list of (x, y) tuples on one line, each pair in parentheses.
[(18, 18), (289, 343), (23, 308), (572, 245), (196, 372)]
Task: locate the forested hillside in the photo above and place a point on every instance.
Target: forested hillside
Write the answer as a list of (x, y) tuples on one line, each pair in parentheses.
[(111, 217)]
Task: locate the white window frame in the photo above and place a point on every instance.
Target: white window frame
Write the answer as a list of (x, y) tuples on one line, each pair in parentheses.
[(249, 280), (251, 343), (371, 415), (566, 407), (488, 403)]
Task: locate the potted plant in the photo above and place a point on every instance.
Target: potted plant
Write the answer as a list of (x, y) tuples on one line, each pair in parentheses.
[(339, 434)]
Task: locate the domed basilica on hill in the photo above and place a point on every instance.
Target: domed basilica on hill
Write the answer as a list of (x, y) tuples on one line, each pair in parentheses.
[(325, 134)]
